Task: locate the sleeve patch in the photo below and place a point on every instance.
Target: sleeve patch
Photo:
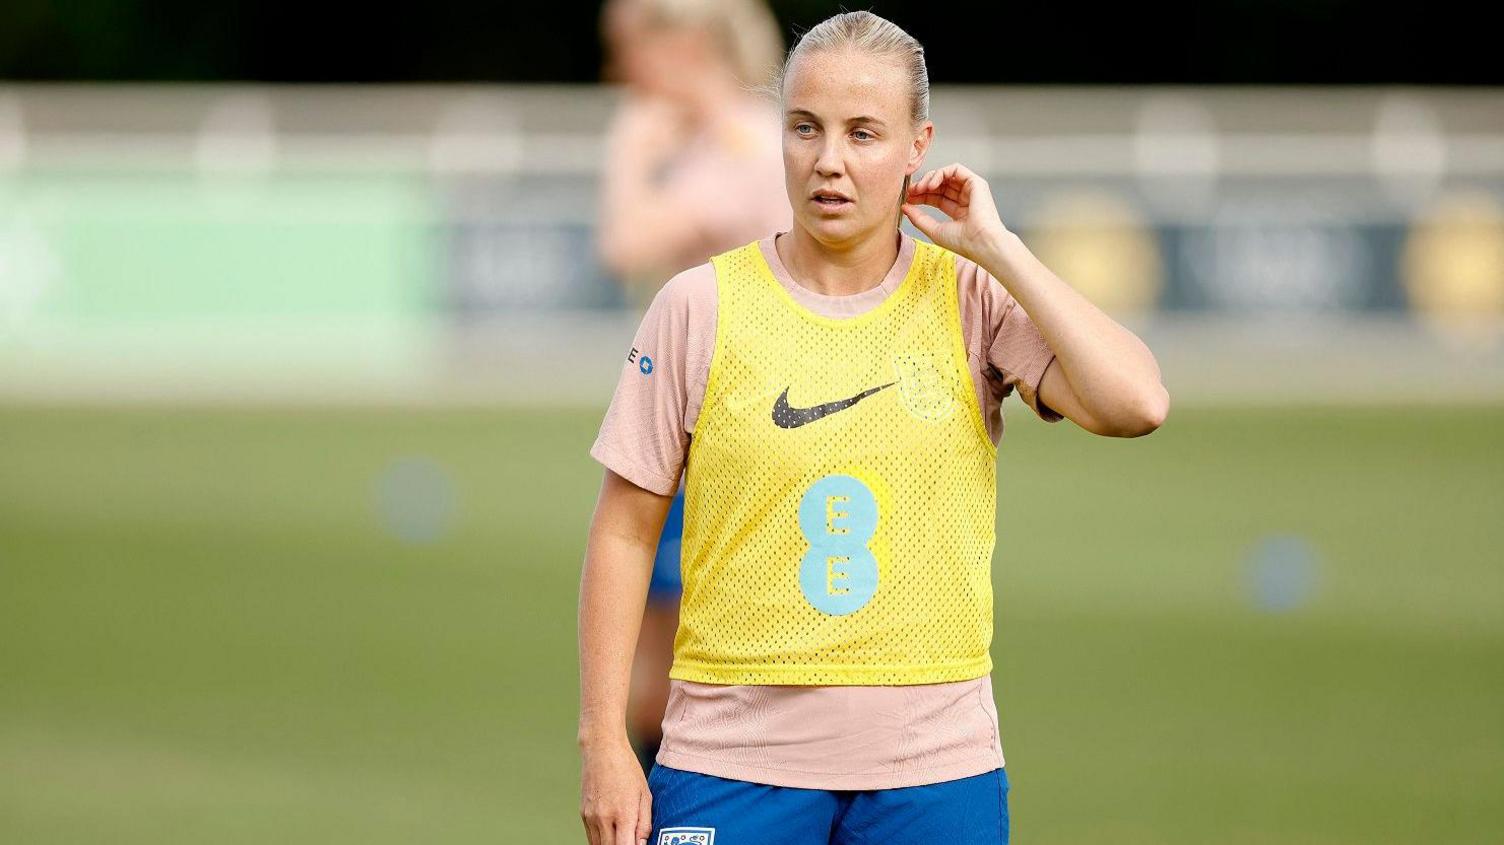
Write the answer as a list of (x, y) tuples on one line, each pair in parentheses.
[(644, 363)]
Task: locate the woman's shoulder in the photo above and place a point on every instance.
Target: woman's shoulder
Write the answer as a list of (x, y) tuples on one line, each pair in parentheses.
[(971, 279), (982, 298), (965, 268), (696, 286), (976, 285), (692, 290)]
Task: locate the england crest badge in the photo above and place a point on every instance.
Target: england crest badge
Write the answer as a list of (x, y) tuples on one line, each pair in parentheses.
[(686, 836), (927, 389)]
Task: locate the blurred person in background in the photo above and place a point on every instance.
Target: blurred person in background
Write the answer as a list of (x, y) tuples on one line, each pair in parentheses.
[(695, 127), (831, 675)]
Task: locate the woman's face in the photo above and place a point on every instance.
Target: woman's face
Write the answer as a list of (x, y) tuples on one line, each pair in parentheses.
[(847, 130), (660, 61)]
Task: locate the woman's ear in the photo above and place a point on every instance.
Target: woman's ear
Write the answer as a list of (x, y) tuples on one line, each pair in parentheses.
[(921, 146)]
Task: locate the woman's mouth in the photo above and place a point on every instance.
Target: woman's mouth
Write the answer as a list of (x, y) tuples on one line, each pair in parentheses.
[(831, 201)]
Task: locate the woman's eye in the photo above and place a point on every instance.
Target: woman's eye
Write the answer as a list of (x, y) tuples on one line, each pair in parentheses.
[(804, 129)]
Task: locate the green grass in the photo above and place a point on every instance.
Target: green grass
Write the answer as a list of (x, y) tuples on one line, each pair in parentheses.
[(208, 635)]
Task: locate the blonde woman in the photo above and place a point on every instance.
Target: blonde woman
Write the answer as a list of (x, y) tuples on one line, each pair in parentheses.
[(834, 391), (691, 133)]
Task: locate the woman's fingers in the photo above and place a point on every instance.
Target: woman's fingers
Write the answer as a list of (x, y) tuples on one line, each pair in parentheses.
[(948, 191), (951, 207), (615, 802), (644, 817), (923, 222), (933, 178), (931, 186), (960, 173), (607, 823), (631, 823), (953, 181), (626, 830), (603, 830)]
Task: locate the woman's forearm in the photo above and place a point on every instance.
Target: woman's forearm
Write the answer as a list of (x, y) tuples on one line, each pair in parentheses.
[(1109, 368), (613, 593), (1111, 374)]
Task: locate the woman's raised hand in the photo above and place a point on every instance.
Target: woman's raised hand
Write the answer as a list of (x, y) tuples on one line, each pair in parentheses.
[(964, 197)]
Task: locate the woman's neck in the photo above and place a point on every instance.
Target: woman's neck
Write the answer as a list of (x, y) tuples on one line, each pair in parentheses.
[(837, 272)]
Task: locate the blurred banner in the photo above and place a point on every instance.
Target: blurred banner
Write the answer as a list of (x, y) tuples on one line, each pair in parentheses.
[(332, 242)]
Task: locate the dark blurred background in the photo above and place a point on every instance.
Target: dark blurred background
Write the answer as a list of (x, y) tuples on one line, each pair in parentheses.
[(1226, 42)]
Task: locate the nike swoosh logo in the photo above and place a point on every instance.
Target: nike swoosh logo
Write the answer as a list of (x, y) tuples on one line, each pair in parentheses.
[(785, 416)]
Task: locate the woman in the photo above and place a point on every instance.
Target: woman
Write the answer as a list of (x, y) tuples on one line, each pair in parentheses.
[(689, 132), (831, 677)]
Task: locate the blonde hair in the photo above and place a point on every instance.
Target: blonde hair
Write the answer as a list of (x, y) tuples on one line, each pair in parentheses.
[(745, 31), (866, 33)]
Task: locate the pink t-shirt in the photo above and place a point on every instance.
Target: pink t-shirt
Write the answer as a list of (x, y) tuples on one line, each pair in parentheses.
[(837, 737), (681, 217)]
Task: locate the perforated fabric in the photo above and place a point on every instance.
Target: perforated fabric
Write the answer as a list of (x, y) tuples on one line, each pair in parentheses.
[(840, 491)]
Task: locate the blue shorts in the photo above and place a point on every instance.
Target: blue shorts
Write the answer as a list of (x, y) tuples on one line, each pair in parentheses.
[(666, 583), (694, 809)]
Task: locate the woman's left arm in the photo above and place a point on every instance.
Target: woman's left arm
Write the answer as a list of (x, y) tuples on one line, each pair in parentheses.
[(1103, 378)]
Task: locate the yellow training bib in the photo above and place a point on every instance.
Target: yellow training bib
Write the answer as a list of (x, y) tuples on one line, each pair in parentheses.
[(840, 493)]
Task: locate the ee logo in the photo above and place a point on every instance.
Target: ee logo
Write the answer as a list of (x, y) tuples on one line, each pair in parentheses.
[(644, 363), (838, 516)]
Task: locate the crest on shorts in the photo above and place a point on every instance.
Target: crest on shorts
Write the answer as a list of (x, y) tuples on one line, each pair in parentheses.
[(925, 383), (686, 836)]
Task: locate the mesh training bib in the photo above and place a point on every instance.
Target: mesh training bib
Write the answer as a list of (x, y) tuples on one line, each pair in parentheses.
[(840, 493)]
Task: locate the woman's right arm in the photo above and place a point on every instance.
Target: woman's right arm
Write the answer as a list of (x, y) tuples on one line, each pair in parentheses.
[(615, 804)]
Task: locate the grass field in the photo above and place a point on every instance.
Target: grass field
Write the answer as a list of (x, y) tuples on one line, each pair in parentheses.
[(211, 632)]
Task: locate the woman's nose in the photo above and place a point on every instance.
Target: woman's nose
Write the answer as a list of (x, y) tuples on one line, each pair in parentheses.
[(829, 163)]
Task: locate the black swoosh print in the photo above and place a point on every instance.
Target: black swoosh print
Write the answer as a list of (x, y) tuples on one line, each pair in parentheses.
[(785, 416)]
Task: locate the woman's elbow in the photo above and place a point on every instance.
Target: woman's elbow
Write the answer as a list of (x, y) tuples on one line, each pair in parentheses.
[(1140, 417), (1149, 413)]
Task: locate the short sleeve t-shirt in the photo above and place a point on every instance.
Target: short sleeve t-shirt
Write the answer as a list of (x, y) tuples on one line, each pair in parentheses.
[(838, 737)]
